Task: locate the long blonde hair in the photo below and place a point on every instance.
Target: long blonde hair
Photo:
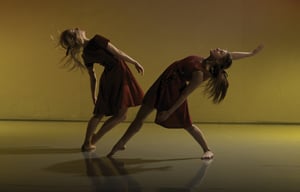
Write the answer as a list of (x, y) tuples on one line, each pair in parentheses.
[(71, 41)]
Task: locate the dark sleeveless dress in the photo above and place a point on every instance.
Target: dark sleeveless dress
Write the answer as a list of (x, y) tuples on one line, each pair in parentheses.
[(117, 87), (167, 88)]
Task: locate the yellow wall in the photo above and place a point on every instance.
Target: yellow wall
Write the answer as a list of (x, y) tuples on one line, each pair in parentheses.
[(155, 32)]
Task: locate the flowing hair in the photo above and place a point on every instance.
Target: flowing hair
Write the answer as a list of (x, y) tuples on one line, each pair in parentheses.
[(70, 41), (218, 84)]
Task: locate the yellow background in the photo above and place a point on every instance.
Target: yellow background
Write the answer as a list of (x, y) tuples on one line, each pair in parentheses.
[(264, 88)]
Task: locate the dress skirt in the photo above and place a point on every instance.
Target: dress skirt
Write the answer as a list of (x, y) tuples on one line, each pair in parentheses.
[(117, 89), (164, 93)]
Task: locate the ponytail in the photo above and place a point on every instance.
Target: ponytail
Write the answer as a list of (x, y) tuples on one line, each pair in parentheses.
[(218, 84)]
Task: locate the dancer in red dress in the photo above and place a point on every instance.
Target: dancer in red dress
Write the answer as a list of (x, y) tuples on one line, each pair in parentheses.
[(118, 89), (168, 95)]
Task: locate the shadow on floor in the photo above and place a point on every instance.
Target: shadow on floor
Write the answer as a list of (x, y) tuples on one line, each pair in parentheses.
[(110, 174), (35, 150)]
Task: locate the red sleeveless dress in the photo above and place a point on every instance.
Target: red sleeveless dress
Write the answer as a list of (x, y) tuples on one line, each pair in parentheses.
[(168, 87), (117, 87)]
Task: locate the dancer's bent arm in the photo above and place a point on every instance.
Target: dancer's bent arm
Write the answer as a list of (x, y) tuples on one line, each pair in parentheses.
[(197, 79), (120, 54)]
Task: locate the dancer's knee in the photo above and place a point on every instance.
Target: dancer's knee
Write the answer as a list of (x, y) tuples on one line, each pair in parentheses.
[(121, 116), (97, 116), (135, 125), (143, 113), (190, 128)]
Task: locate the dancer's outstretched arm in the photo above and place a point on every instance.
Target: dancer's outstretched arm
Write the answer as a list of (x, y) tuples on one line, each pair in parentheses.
[(240, 55)]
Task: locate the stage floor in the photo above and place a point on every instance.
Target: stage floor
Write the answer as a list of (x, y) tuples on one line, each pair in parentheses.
[(37, 156)]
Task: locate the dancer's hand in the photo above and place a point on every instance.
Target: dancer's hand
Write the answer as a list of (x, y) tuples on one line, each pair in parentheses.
[(257, 49), (139, 68), (162, 116), (94, 100)]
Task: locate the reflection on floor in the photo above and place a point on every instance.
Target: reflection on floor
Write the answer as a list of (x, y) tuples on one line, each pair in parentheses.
[(45, 156)]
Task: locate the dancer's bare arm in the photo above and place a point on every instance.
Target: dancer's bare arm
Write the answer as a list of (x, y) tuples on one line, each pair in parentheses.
[(93, 83), (120, 54), (240, 55), (197, 79)]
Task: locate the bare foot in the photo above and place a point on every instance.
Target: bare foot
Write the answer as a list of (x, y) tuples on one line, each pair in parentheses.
[(207, 155), (207, 162), (115, 149), (87, 148)]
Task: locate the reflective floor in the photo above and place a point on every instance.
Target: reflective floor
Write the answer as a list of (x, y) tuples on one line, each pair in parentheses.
[(45, 156)]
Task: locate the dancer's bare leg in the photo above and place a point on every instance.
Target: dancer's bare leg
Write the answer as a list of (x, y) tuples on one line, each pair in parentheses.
[(109, 124), (91, 127), (134, 127), (199, 137)]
